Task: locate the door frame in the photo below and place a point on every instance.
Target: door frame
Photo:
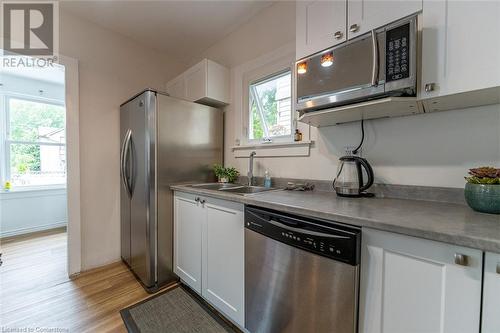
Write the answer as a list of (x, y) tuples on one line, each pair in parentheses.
[(73, 164)]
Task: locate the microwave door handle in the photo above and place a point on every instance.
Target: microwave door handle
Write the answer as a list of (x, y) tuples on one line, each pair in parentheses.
[(375, 67)]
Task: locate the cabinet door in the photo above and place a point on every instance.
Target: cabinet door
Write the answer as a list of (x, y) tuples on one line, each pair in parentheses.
[(320, 25), (458, 57), (491, 294), (217, 82), (189, 216), (414, 285), (177, 88), (223, 258), (365, 15), (196, 81)]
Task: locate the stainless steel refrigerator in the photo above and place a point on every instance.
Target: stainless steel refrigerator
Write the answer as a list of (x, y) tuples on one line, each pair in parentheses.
[(164, 140)]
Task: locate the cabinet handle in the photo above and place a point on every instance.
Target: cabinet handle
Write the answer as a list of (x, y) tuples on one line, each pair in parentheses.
[(430, 87), (461, 259), (338, 35), (498, 268), (197, 199), (354, 28)]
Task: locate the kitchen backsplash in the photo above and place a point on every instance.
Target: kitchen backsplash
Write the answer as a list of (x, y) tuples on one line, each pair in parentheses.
[(426, 193)]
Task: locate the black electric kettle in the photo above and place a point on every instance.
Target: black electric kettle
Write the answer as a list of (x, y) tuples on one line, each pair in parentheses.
[(349, 180)]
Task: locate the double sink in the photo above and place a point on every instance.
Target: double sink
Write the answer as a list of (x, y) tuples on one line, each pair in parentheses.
[(233, 188)]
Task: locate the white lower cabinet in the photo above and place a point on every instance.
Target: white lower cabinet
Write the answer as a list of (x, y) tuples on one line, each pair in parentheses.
[(415, 285), (223, 264), (188, 221), (491, 294), (214, 266)]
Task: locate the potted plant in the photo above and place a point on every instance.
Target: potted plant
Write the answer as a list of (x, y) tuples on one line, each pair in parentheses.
[(482, 191), (225, 175)]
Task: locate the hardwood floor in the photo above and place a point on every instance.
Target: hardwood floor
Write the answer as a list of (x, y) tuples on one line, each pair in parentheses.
[(35, 291)]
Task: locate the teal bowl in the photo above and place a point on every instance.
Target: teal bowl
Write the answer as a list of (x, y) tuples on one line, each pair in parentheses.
[(483, 198)]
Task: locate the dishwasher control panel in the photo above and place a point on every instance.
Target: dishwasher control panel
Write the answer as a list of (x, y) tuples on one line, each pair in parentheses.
[(326, 238)]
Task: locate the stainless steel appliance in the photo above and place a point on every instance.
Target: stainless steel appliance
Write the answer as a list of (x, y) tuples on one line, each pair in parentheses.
[(349, 181), (380, 63), (301, 274), (164, 140)]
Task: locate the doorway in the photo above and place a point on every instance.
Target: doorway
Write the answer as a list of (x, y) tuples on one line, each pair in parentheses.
[(33, 169)]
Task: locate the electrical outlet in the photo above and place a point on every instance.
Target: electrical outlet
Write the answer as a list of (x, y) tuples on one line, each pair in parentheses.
[(349, 150)]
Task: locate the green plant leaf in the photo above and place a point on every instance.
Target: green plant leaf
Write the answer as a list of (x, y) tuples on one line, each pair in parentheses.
[(230, 173)]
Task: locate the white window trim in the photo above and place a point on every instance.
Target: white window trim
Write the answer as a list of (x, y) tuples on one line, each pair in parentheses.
[(5, 142), (261, 74), (278, 138)]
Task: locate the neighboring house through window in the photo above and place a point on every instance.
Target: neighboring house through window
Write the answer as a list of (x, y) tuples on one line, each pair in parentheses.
[(270, 107), (34, 142)]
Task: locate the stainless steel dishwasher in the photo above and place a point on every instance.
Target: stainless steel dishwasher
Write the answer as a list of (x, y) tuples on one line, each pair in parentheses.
[(301, 274)]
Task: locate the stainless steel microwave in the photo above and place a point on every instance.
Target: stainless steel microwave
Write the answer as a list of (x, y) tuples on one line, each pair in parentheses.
[(377, 64)]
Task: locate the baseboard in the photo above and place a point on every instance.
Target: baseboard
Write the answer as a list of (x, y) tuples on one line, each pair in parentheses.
[(23, 231), (90, 268)]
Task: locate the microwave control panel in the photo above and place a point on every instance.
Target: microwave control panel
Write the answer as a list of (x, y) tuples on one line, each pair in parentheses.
[(397, 53)]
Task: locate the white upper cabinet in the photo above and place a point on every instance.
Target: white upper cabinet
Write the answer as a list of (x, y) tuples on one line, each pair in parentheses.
[(460, 47), (365, 15), (323, 24), (177, 88), (196, 81), (207, 83), (491, 294), (319, 25), (415, 285)]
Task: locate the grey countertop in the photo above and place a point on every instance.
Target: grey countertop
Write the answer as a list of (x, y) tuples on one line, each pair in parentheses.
[(445, 222)]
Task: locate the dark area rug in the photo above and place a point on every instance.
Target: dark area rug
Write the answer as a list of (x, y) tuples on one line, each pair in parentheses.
[(177, 310)]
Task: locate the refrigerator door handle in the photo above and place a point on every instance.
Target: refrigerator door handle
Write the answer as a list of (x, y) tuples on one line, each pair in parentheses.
[(124, 159), (131, 157)]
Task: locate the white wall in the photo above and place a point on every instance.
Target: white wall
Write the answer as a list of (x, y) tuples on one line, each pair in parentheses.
[(270, 28), (111, 69), (431, 149), (29, 211)]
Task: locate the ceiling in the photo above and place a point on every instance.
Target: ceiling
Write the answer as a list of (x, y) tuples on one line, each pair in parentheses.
[(181, 29), (54, 74)]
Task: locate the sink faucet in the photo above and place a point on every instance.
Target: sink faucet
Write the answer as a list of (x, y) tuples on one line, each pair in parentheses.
[(250, 169)]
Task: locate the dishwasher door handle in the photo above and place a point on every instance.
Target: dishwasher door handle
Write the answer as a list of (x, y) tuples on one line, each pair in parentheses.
[(298, 221), (305, 232)]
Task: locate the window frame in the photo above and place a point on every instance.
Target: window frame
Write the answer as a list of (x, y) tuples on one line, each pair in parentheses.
[(268, 78), (6, 142), (263, 73)]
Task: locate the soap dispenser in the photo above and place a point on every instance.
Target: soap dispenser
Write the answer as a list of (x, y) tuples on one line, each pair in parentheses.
[(267, 179)]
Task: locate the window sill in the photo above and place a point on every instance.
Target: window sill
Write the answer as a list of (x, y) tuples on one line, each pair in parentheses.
[(276, 149), (36, 190)]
